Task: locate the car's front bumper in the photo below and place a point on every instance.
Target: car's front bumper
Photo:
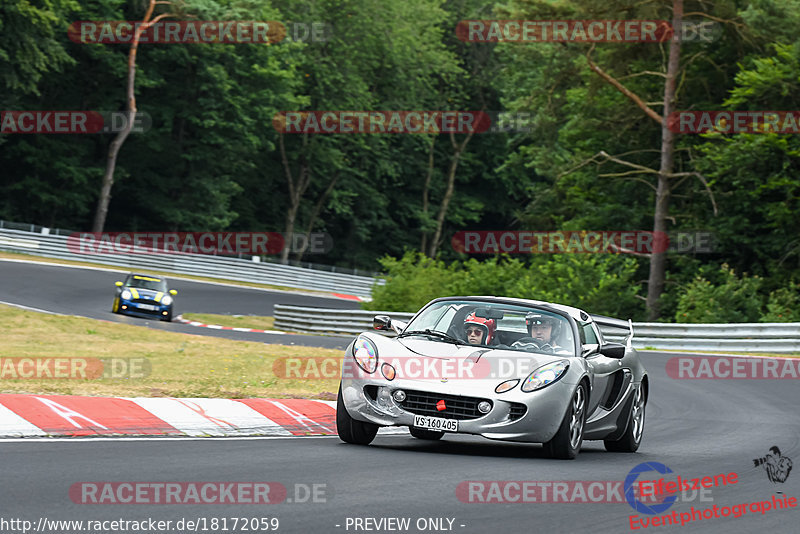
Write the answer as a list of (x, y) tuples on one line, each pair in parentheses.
[(545, 408), (142, 309)]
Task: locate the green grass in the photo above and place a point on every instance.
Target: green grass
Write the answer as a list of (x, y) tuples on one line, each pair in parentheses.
[(182, 365)]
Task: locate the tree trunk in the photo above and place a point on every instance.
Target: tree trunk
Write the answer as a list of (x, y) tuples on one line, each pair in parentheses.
[(296, 189), (458, 149), (115, 146), (316, 211), (658, 260), (424, 241)]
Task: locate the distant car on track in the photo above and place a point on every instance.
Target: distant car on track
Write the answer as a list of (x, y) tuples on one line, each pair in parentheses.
[(144, 296), (502, 368)]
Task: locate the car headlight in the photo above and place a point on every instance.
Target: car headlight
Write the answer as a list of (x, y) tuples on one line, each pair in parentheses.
[(545, 375), (166, 301), (366, 354), (126, 295)]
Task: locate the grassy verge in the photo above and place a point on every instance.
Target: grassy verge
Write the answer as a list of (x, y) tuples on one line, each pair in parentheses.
[(16, 256), (236, 321), (180, 365)]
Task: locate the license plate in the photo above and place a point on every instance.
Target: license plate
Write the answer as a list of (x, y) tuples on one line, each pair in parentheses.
[(147, 307), (435, 423)]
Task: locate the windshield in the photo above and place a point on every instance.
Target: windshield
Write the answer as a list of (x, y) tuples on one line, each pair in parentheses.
[(496, 325), (146, 282)]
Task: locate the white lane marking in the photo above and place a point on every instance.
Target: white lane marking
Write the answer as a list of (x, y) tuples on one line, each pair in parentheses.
[(386, 431), (12, 424), (30, 308), (210, 417), (92, 439)]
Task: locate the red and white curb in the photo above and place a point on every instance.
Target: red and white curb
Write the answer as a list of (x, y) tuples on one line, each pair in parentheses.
[(180, 319), (69, 415)]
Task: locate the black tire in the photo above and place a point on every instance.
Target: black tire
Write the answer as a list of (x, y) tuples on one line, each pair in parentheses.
[(632, 438), (421, 433), (566, 444), (350, 430)]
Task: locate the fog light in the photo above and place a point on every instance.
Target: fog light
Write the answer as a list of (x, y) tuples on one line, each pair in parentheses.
[(163, 313), (484, 406), (399, 395), (383, 397), (388, 371), (124, 307)]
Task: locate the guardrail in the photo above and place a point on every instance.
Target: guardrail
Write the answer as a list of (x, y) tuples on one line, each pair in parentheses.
[(219, 267), (742, 337)]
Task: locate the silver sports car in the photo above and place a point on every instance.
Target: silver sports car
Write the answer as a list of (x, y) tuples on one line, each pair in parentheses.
[(502, 368)]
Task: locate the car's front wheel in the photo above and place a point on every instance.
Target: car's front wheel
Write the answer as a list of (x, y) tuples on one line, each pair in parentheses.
[(421, 433), (115, 305), (630, 440), (567, 442), (351, 430)]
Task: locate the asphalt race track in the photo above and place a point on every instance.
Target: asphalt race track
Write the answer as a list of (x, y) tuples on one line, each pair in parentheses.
[(89, 293), (696, 427)]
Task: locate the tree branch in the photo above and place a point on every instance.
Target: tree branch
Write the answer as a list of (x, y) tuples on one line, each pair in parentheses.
[(622, 89)]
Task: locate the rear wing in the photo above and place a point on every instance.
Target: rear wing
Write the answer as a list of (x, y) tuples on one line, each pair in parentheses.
[(610, 322)]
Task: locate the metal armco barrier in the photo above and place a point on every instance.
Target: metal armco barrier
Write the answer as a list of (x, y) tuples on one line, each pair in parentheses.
[(743, 337), (224, 268), (327, 321)]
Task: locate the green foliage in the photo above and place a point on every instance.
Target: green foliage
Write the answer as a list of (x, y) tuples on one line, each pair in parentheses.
[(731, 300), (597, 283), (783, 305)]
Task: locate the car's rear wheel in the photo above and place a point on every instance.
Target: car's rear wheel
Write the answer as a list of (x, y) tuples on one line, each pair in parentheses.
[(632, 438), (421, 433), (567, 442), (351, 430)]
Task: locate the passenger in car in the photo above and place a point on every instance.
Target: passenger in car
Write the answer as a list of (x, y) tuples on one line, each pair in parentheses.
[(479, 330)]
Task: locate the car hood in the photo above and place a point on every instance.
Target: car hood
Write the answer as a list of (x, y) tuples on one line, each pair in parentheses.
[(147, 294)]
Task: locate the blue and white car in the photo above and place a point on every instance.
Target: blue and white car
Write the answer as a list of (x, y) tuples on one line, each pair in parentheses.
[(144, 296)]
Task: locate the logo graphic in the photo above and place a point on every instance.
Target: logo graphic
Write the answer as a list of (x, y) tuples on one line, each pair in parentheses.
[(441, 406), (630, 484), (778, 467)]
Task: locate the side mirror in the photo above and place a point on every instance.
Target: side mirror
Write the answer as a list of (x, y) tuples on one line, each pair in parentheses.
[(589, 348), (173, 292), (613, 350), (382, 322), (118, 284)]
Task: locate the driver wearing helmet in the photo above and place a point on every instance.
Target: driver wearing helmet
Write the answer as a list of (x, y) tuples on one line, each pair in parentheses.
[(544, 330), (479, 330)]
